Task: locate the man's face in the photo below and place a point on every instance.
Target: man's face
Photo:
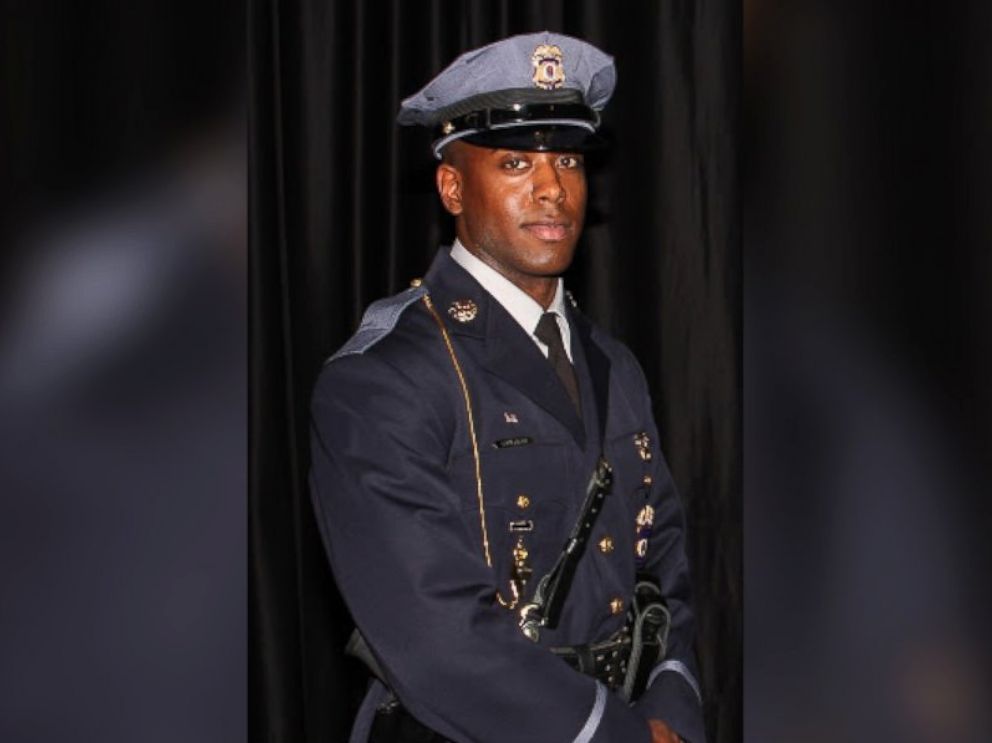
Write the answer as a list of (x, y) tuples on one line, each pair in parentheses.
[(520, 212)]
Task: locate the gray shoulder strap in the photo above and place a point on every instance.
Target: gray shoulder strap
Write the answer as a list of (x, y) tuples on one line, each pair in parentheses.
[(379, 320)]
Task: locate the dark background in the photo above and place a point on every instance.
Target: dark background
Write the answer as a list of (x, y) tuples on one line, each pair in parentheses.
[(122, 371), (343, 211)]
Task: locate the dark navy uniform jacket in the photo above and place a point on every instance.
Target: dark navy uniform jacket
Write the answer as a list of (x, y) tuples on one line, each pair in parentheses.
[(396, 493)]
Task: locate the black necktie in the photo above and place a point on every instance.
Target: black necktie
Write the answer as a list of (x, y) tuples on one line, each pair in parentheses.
[(549, 334)]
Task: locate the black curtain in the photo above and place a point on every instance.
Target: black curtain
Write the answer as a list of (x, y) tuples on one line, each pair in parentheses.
[(343, 211)]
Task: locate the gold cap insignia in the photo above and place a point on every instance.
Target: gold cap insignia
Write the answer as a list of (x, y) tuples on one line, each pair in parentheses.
[(463, 310), (549, 73), (447, 127)]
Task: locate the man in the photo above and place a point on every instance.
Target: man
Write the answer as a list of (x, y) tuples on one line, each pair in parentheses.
[(455, 434)]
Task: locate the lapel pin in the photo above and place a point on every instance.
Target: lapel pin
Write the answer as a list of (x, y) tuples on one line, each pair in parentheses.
[(463, 310), (510, 418)]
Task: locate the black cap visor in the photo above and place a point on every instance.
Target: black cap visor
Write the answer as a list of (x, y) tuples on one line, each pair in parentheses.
[(537, 138), (548, 126)]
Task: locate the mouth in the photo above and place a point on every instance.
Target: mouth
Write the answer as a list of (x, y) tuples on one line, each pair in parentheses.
[(549, 230)]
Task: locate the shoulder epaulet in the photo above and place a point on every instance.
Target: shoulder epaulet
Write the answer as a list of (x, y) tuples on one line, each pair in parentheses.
[(379, 320)]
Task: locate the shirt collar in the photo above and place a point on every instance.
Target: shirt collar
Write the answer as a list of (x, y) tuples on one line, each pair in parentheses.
[(515, 300)]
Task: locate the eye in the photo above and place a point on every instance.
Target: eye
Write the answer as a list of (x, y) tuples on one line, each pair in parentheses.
[(570, 162), (515, 163)]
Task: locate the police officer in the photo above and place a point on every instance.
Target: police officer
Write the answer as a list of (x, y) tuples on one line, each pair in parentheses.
[(477, 423)]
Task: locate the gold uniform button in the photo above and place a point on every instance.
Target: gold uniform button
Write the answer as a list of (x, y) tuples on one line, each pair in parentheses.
[(648, 480), (616, 606), (416, 282), (606, 545), (523, 502)]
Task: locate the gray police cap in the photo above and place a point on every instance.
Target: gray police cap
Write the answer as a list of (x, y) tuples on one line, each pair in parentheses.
[(540, 91)]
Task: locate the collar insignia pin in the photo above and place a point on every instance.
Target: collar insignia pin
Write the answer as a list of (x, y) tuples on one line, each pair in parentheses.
[(463, 310), (549, 73)]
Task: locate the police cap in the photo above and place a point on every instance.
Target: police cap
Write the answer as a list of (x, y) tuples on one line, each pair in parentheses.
[(539, 92)]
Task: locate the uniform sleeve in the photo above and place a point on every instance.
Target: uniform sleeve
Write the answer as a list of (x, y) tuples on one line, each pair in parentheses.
[(411, 570), (674, 694)]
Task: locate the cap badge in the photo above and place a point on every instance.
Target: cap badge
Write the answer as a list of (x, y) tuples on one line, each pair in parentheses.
[(549, 74), (447, 127), (463, 310)]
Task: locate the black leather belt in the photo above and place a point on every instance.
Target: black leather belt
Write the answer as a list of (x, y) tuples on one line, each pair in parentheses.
[(624, 661), (606, 660), (609, 661)]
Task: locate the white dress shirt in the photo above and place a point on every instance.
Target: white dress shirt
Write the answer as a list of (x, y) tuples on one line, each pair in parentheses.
[(515, 300)]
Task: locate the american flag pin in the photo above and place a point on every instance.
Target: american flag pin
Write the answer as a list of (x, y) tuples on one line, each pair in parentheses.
[(510, 417)]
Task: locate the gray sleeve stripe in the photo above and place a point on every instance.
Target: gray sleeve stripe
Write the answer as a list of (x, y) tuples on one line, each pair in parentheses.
[(595, 717), (680, 668)]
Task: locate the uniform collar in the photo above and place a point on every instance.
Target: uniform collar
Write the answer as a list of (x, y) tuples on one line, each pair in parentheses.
[(520, 305), (496, 341)]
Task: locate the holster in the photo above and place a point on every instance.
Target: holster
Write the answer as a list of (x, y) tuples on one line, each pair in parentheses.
[(624, 661)]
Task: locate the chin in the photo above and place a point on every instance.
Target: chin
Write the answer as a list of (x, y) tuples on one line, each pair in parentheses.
[(554, 263)]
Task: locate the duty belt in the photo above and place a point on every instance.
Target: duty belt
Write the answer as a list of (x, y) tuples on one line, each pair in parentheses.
[(624, 661), (606, 661)]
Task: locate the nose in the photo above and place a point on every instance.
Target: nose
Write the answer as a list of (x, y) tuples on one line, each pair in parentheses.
[(547, 185)]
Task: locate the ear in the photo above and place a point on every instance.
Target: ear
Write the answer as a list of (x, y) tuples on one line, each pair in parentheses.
[(449, 187)]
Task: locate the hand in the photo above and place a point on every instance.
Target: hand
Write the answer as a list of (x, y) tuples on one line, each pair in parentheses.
[(661, 733)]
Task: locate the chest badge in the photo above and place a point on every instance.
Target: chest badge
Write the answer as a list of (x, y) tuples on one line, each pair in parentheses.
[(463, 310), (549, 73), (642, 442), (642, 533)]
